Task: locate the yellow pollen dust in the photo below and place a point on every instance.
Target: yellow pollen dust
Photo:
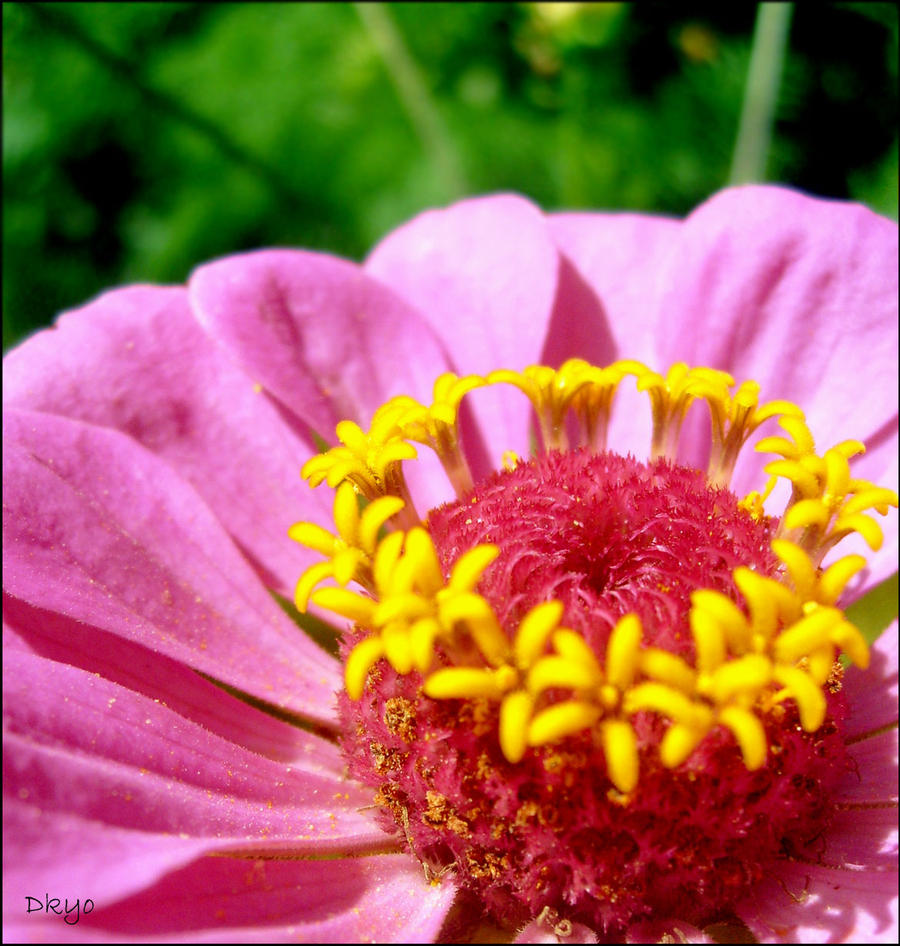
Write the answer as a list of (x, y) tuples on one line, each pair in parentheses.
[(546, 682)]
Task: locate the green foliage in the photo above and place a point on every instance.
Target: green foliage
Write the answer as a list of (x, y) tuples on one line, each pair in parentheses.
[(143, 138)]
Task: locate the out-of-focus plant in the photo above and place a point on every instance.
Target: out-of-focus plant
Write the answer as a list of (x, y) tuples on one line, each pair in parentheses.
[(141, 137)]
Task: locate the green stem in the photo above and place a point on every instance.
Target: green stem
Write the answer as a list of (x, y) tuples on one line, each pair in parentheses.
[(751, 149), (406, 77)]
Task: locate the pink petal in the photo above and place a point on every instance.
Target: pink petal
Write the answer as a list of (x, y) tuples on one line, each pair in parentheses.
[(848, 890), (872, 693), (136, 360), (863, 838), (81, 745), (376, 899), (609, 310), (620, 257), (158, 677), (798, 294), (806, 903), (483, 274), (874, 779), (322, 336), (106, 790), (49, 850), (103, 532)]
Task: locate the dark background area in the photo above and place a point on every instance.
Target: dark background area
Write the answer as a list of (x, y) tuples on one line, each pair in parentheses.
[(140, 139)]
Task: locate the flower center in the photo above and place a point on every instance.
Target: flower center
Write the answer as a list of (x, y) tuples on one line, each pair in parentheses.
[(592, 685), (606, 536)]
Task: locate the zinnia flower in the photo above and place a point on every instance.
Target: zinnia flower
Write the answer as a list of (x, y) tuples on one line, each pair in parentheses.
[(584, 695)]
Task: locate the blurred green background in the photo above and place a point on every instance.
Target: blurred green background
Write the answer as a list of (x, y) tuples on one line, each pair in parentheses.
[(140, 139)]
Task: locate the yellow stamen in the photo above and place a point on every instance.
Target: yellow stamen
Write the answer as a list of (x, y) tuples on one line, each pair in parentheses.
[(806, 635), (809, 697), (550, 672), (749, 733), (622, 651), (561, 720), (659, 698), (535, 630), (451, 683), (746, 675), (515, 716), (359, 662), (663, 667), (678, 743), (349, 605), (621, 751)]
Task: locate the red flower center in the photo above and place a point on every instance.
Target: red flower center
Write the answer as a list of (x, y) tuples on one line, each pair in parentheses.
[(593, 688), (606, 536)]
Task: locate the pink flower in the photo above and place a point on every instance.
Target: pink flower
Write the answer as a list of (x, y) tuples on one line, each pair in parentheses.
[(169, 734)]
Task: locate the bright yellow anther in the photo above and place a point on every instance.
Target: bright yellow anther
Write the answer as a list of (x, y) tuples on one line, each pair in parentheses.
[(809, 697), (748, 732), (308, 580), (847, 636), (551, 672), (620, 749), (665, 667), (837, 576), (515, 715), (481, 622), (469, 568), (744, 676), (871, 497), (397, 649), (561, 720), (837, 474), (796, 427), (535, 630), (422, 635), (369, 460), (670, 398), (572, 646), (850, 448), (419, 549), (346, 510), (769, 602), (352, 606), (806, 635), (346, 563), (678, 743), (734, 418), (807, 513), (401, 606), (662, 699), (458, 683), (799, 566), (727, 615), (804, 482), (360, 661), (373, 519), (313, 537), (866, 526), (623, 651), (820, 663), (709, 640), (384, 563)]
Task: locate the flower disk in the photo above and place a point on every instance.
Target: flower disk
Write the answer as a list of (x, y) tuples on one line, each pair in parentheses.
[(605, 536)]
